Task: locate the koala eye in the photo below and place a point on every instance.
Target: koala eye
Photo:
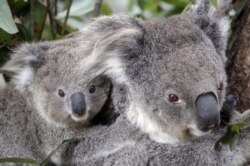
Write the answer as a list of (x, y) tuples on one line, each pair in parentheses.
[(92, 89), (173, 98), (61, 93), (220, 86)]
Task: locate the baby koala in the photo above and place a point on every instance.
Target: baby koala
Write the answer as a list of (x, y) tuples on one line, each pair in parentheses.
[(48, 77)]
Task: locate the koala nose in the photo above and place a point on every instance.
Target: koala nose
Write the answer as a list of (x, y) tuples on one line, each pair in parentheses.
[(78, 104), (207, 111)]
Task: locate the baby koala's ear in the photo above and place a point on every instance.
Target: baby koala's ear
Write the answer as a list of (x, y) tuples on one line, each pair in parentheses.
[(24, 61)]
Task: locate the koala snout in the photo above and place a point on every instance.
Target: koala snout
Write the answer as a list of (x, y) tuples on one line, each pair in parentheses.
[(78, 104), (207, 111)]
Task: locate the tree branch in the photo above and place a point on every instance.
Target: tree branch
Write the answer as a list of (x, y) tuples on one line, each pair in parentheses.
[(43, 24), (32, 19), (238, 65), (55, 7), (51, 19), (97, 9), (66, 17)]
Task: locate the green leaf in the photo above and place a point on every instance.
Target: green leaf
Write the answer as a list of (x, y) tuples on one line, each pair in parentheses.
[(48, 158), (187, 7), (230, 138), (224, 140), (4, 37), (19, 160), (6, 21), (31, 161), (214, 3), (73, 24), (18, 7), (23, 32), (78, 8), (151, 5), (235, 128), (178, 3), (105, 9)]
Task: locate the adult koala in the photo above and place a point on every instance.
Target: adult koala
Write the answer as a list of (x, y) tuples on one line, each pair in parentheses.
[(174, 72), (48, 98), (173, 68)]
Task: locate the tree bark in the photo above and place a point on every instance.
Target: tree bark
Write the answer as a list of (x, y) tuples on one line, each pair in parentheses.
[(238, 66)]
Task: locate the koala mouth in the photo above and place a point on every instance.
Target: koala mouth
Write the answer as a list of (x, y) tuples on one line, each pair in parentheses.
[(194, 131), (79, 117)]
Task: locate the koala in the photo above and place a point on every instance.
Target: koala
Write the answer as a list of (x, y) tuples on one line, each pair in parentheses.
[(48, 99), (129, 146), (174, 73), (62, 94), (173, 68), (23, 132)]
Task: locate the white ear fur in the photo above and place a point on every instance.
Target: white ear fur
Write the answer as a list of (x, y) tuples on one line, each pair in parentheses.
[(2, 82), (23, 78), (220, 16), (106, 53), (19, 70)]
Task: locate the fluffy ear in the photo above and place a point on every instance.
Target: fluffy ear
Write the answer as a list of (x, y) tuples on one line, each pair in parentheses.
[(213, 21), (116, 36), (23, 63)]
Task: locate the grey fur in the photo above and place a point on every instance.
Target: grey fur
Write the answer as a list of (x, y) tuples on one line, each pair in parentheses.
[(129, 146), (152, 59), (179, 55), (23, 132), (40, 70), (37, 71), (184, 55)]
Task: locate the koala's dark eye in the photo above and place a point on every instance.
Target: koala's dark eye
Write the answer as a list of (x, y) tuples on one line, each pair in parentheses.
[(220, 86), (173, 98), (61, 93), (92, 89)]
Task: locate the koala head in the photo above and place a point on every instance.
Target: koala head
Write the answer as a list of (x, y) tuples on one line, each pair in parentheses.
[(48, 75), (173, 68), (178, 81)]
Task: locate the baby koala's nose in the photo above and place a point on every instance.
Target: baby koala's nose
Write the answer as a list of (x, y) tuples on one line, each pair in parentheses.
[(78, 104)]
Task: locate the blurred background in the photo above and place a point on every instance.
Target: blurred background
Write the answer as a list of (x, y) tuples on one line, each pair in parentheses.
[(32, 20), (36, 20)]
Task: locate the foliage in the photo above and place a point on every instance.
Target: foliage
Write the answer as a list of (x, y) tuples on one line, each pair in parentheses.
[(45, 162), (230, 138), (31, 20)]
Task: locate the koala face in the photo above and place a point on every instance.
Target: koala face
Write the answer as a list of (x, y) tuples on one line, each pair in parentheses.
[(174, 71), (48, 75), (186, 100), (181, 81), (70, 104)]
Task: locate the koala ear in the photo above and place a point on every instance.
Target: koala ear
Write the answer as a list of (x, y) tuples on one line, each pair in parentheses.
[(23, 63), (117, 30), (127, 40), (124, 38), (116, 36), (213, 21)]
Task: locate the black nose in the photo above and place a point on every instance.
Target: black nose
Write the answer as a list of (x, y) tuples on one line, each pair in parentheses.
[(208, 115), (78, 104)]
